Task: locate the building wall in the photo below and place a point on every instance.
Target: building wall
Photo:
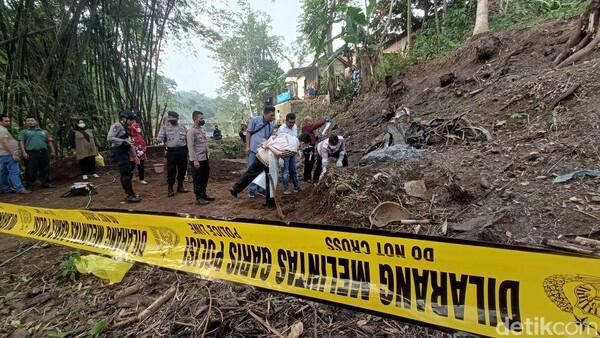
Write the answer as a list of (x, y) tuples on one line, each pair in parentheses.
[(397, 47), (301, 87)]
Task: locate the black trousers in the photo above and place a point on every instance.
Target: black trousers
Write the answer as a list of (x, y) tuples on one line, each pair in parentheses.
[(309, 162), (200, 176), (319, 164), (38, 165), (176, 165), (87, 165), (253, 171), (140, 168), (120, 155)]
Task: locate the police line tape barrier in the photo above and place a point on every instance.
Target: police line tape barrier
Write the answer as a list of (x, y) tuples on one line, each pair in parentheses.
[(481, 288)]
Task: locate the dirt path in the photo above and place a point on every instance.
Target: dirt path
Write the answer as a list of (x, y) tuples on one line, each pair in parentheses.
[(154, 195)]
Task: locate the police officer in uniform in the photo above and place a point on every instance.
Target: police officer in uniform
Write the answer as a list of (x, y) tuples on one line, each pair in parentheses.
[(174, 136), (122, 149)]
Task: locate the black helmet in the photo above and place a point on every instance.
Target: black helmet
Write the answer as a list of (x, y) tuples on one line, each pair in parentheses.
[(126, 114)]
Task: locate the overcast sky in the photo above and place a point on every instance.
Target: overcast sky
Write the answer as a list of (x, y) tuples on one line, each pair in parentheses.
[(199, 72)]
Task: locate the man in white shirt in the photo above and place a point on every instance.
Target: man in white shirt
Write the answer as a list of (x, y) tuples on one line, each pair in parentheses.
[(289, 163), (334, 146)]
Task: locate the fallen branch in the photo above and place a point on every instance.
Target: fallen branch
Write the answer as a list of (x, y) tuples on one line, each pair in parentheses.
[(564, 96), (150, 310), (591, 46), (415, 221), (588, 214), (476, 91), (265, 324), (128, 291), (588, 241), (568, 246)]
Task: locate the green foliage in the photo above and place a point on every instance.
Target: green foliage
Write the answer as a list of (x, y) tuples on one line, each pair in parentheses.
[(86, 59), (523, 13), (60, 334), (98, 328), (316, 22), (185, 103), (348, 89), (517, 115), (67, 269), (458, 27), (558, 110), (231, 112), (9, 296), (247, 55), (458, 21), (233, 148)]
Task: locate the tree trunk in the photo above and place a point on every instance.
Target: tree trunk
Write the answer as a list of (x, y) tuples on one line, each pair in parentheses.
[(408, 24), (437, 23), (481, 20), (585, 39), (331, 85)]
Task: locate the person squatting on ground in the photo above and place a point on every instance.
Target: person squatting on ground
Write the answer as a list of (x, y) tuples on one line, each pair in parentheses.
[(217, 135), (197, 143), (334, 146), (289, 163), (309, 127), (37, 147), (174, 136), (259, 130), (139, 144), (267, 163), (122, 149), (10, 172), (83, 144), (242, 133)]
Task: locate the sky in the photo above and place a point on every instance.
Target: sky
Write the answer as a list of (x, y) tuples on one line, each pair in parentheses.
[(199, 72)]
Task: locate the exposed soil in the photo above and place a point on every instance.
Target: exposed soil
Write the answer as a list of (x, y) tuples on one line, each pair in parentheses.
[(513, 94)]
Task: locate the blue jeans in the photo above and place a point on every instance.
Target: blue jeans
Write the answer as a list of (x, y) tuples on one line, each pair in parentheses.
[(10, 174), (289, 169)]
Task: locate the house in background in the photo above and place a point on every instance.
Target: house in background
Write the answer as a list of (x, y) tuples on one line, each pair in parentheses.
[(302, 84), (397, 45), (301, 80)]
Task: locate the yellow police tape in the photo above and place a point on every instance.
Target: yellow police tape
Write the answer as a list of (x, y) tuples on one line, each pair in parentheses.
[(484, 289)]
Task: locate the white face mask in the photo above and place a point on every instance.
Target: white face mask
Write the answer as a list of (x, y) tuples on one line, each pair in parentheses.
[(81, 125)]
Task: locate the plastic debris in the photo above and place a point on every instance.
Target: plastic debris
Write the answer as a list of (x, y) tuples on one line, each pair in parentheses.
[(580, 173), (103, 267)]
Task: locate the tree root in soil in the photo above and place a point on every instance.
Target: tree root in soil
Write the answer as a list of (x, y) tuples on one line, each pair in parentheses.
[(584, 40)]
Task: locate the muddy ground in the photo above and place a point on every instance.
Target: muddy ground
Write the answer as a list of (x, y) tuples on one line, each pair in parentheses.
[(508, 181)]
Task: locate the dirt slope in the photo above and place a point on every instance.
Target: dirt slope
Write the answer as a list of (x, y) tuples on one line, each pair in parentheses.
[(513, 96)]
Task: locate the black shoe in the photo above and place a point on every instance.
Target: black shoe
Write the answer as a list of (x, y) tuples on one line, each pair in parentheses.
[(181, 189), (233, 192), (133, 199), (270, 207), (48, 186), (210, 199), (170, 192), (202, 201)]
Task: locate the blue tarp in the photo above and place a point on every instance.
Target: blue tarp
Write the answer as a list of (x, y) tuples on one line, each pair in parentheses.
[(284, 97), (581, 173)]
